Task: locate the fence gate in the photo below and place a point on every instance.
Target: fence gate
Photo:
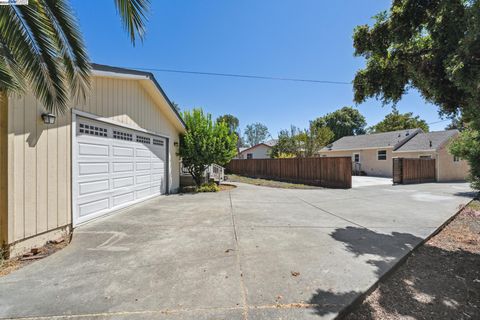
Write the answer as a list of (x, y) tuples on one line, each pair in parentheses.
[(413, 170)]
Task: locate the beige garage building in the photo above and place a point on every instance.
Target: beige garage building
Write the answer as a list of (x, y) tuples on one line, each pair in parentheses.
[(116, 148)]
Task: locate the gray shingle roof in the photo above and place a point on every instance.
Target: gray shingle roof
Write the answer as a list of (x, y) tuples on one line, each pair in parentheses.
[(428, 141), (376, 140)]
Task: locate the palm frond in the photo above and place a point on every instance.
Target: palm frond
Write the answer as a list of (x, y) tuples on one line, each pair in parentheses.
[(53, 64), (133, 15)]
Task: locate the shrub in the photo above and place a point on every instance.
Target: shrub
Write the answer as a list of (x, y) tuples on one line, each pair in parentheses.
[(208, 187)]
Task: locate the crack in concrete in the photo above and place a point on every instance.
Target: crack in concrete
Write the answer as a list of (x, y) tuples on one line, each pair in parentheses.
[(239, 263), (332, 214)]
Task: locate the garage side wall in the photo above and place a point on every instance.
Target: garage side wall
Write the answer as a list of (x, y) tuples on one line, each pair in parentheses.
[(39, 155)]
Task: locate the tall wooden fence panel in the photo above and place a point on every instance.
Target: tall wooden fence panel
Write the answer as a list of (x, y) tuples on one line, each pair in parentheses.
[(414, 170), (330, 172)]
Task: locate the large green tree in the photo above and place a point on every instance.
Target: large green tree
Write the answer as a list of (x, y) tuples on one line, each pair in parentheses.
[(256, 133), (204, 143), (231, 121), (430, 45), (301, 143), (42, 49), (346, 121), (399, 121)]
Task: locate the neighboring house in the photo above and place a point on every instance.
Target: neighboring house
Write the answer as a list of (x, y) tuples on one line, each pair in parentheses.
[(373, 153), (113, 149), (259, 151)]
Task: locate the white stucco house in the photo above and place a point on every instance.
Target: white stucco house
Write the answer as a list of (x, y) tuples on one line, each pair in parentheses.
[(113, 149), (259, 151)]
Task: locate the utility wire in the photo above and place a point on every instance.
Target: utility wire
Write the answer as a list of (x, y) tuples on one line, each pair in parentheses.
[(248, 76)]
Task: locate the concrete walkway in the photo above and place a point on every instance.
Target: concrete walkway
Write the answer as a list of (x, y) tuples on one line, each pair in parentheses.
[(252, 253)]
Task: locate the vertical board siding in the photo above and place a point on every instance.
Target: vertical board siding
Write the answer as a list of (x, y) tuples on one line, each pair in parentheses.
[(332, 172), (414, 170), (39, 157)]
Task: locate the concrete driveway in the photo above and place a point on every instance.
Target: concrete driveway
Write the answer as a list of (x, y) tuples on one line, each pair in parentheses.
[(252, 253)]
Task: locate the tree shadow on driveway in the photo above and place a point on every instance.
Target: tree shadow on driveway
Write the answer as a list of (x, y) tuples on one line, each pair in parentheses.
[(433, 283)]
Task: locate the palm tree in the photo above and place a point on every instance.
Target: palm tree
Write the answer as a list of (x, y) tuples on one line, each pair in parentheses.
[(41, 49)]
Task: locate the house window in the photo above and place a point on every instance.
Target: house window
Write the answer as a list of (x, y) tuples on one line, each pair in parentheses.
[(426, 157), (249, 155), (456, 159), (382, 155), (356, 157)]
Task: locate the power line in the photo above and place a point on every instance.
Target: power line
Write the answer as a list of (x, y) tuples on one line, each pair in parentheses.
[(438, 121), (248, 76)]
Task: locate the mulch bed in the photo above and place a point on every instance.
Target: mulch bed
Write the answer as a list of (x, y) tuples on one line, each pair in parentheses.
[(269, 183), (441, 280), (8, 266)]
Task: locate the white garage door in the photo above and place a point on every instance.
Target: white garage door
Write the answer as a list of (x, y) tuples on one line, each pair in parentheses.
[(114, 167)]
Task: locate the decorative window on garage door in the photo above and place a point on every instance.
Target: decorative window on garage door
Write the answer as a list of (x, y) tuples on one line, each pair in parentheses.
[(158, 142), (143, 139), (92, 130), (120, 135)]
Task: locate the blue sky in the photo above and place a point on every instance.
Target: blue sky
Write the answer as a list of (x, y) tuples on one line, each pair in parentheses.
[(307, 39)]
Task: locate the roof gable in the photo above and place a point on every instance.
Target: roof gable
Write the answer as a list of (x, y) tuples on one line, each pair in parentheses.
[(428, 141), (110, 71), (392, 139)]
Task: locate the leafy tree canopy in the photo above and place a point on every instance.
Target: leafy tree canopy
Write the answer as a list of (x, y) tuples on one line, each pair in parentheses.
[(256, 133), (204, 143), (399, 121), (232, 122), (430, 45), (301, 143), (346, 121)]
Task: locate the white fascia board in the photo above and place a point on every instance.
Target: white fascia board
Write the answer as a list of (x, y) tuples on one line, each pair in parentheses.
[(108, 74)]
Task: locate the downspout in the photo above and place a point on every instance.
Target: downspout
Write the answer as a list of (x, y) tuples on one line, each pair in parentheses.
[(3, 170)]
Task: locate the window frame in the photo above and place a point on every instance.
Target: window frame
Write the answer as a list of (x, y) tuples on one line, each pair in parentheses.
[(249, 156), (355, 156), (384, 153)]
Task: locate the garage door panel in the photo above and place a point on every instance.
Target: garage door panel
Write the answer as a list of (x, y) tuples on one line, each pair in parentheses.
[(114, 168), (123, 151), (92, 149), (141, 179), (143, 166), (144, 192), (122, 167), (123, 198), (88, 208), (89, 187), (90, 168), (122, 182), (143, 153)]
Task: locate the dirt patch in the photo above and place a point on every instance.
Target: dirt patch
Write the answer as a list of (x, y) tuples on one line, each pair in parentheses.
[(8, 266), (269, 183), (440, 280), (226, 187)]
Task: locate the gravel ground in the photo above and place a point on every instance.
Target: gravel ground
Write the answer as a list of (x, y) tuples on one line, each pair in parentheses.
[(441, 280)]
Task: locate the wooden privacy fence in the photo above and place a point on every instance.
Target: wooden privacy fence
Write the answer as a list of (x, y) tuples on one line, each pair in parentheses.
[(413, 170), (330, 172)]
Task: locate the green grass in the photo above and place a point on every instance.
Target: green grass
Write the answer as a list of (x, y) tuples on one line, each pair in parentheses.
[(268, 183)]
